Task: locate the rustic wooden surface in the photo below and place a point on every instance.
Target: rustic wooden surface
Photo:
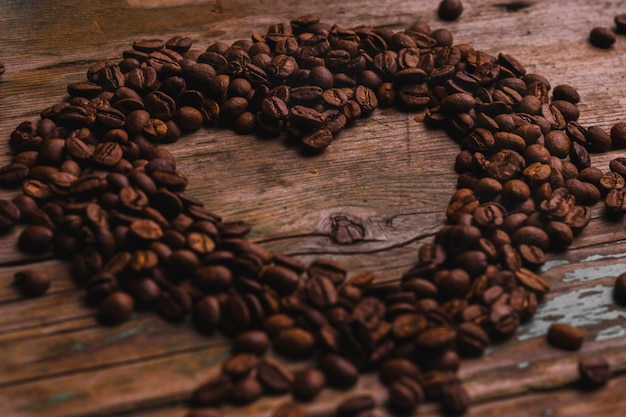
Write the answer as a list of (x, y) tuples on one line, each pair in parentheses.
[(388, 180)]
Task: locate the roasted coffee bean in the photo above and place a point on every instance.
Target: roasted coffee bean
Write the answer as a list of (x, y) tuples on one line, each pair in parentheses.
[(405, 394), (246, 390), (340, 373), (619, 290), (471, 339), (565, 92), (317, 140), (35, 239), (240, 365), (455, 399), (32, 283), (308, 383), (207, 314), (594, 371), (294, 343), (450, 10), (396, 368), (173, 304), (615, 201), (214, 392), (602, 37), (116, 308), (565, 336), (275, 376), (251, 341)]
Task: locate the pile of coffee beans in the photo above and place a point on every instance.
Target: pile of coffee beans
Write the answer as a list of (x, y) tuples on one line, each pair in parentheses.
[(99, 191)]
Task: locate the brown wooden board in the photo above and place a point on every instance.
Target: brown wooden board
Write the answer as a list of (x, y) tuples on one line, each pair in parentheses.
[(376, 194)]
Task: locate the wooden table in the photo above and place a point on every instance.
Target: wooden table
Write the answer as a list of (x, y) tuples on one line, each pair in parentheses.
[(369, 201)]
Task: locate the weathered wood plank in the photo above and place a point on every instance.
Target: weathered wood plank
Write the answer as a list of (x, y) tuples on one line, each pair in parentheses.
[(388, 175)]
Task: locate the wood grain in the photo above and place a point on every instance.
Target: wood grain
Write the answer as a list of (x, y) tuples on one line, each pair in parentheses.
[(370, 201)]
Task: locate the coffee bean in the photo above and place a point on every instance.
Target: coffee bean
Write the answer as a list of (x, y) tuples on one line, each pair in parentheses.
[(213, 392), (246, 390), (252, 341), (294, 343), (340, 373), (308, 383), (240, 365), (275, 376), (619, 290), (450, 10), (602, 37), (594, 371), (32, 283), (35, 239), (565, 336), (405, 394), (116, 308), (396, 368), (455, 399)]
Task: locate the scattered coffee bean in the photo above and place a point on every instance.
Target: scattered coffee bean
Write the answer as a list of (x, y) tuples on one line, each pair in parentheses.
[(308, 383), (565, 336), (116, 308), (594, 371), (602, 37), (450, 9), (32, 283), (620, 23), (619, 290)]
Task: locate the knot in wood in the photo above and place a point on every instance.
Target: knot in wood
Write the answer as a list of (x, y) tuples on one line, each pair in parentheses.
[(345, 230)]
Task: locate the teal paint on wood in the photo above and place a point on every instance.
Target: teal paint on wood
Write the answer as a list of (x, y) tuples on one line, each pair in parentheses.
[(583, 307), (593, 273)]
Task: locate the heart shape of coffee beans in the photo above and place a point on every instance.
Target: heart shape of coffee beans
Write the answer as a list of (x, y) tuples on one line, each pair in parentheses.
[(100, 191)]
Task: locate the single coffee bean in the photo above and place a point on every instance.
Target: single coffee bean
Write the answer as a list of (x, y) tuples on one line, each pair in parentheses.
[(565, 92), (619, 290), (405, 394), (275, 376), (565, 336), (294, 343), (594, 371), (207, 314), (340, 373), (308, 383), (617, 133), (395, 368), (239, 365), (35, 239), (214, 392), (32, 283), (251, 341), (602, 37), (455, 399), (450, 10), (246, 390), (116, 308)]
